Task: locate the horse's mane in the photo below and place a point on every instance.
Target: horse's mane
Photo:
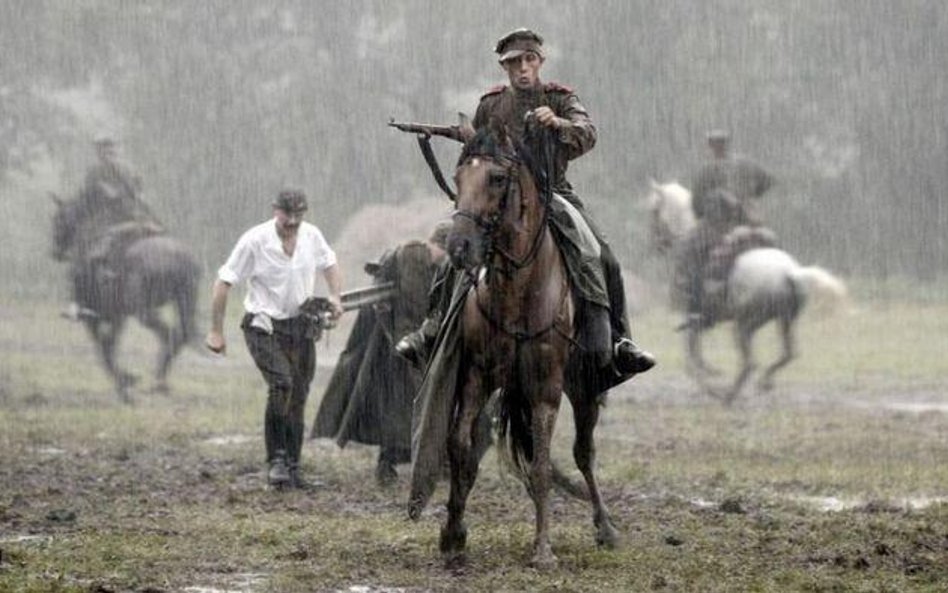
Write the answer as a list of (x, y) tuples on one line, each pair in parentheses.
[(493, 142)]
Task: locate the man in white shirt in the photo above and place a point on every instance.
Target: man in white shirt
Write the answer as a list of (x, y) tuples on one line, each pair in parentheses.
[(278, 260)]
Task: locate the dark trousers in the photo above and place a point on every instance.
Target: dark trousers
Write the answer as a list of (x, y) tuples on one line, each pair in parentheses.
[(287, 360)]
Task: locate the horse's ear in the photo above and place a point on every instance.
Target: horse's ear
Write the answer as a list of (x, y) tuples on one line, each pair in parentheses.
[(55, 198), (465, 127), (653, 183)]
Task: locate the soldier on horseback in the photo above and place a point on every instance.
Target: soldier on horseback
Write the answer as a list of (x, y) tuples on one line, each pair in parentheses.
[(110, 198), (593, 268), (726, 193)]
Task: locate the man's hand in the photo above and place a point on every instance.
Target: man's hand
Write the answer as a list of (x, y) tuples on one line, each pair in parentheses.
[(215, 342), (335, 307), (547, 118)]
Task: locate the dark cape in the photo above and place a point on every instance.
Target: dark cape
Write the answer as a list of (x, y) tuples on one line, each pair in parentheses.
[(369, 396)]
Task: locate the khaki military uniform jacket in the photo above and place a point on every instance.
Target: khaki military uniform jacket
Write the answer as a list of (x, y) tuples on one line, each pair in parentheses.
[(744, 178), (509, 106)]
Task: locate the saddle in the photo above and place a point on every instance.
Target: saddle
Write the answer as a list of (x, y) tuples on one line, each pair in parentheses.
[(738, 241)]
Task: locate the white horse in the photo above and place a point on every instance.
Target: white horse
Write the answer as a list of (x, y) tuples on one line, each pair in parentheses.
[(671, 216), (765, 284)]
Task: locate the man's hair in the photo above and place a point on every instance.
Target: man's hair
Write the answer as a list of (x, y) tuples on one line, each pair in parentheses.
[(291, 200)]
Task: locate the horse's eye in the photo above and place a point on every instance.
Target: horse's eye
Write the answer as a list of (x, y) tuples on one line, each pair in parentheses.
[(497, 179)]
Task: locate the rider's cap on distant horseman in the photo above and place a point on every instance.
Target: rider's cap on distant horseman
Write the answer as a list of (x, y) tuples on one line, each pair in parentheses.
[(103, 140), (518, 42), (290, 200), (719, 135)]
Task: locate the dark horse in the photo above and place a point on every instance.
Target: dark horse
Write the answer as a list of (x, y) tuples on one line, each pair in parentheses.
[(152, 271), (516, 333)]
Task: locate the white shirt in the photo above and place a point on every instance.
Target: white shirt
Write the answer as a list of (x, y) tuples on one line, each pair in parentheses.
[(277, 283)]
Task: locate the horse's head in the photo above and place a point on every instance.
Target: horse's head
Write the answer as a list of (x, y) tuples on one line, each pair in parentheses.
[(670, 214), (494, 187), (65, 223)]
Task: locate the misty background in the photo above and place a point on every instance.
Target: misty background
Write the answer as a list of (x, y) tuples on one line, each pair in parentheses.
[(219, 104)]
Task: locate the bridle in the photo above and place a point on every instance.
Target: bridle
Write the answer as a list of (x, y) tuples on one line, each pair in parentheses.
[(490, 224)]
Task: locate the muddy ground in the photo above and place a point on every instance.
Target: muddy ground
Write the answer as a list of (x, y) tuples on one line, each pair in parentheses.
[(837, 481)]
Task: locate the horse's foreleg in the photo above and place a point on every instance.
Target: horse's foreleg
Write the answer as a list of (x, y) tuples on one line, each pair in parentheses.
[(789, 353), (170, 344), (585, 417), (744, 335), (545, 409), (106, 336), (462, 455)]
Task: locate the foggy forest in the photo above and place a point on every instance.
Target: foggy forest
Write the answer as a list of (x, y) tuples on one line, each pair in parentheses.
[(219, 104), (117, 474)]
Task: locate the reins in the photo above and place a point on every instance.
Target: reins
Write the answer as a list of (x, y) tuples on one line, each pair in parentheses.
[(542, 178)]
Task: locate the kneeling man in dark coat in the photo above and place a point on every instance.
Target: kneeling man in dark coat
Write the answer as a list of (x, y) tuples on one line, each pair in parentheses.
[(369, 396)]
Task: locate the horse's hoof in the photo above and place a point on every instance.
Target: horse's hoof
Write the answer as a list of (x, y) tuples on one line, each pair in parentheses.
[(544, 560), (161, 388), (454, 560), (126, 380), (608, 536), (453, 541)]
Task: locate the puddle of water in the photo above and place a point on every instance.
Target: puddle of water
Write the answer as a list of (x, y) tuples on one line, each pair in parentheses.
[(229, 440), (51, 451), (912, 407), (835, 504), (702, 503), (19, 539), (238, 583)]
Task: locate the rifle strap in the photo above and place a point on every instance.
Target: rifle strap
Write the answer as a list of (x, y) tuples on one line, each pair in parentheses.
[(424, 142)]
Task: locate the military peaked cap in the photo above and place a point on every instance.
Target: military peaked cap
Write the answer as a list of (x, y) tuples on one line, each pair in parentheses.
[(518, 42)]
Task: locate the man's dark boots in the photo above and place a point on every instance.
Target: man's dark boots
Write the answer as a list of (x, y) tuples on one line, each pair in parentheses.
[(278, 475)]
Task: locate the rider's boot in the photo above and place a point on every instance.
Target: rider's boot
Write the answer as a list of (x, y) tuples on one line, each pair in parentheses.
[(627, 357), (630, 359), (415, 347)]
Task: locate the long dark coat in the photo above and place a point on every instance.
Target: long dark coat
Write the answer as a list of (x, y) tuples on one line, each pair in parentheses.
[(369, 396)]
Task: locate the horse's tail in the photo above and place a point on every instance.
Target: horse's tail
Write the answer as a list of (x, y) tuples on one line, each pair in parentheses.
[(515, 431), (515, 435), (826, 293)]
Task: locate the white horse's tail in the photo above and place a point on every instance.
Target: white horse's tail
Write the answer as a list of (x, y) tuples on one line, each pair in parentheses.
[(826, 293)]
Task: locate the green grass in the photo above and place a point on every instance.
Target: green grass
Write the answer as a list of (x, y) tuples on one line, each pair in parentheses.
[(707, 498)]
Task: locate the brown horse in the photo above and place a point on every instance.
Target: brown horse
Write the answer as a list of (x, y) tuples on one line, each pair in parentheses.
[(152, 271), (516, 333)]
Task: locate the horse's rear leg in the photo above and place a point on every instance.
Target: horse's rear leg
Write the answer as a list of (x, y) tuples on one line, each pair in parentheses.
[(766, 382), (696, 365), (585, 417), (463, 447)]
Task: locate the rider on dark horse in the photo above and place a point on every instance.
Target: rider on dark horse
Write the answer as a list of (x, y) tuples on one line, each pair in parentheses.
[(726, 192), (594, 270), (110, 198)]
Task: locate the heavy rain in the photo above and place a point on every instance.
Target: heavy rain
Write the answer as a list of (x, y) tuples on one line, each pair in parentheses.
[(140, 453)]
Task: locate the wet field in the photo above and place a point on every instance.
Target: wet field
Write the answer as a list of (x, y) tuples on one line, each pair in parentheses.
[(835, 481)]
